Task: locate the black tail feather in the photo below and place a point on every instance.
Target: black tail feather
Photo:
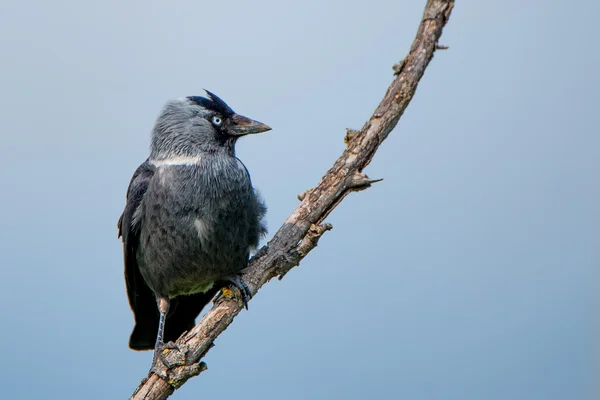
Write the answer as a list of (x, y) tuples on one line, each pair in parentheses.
[(181, 318)]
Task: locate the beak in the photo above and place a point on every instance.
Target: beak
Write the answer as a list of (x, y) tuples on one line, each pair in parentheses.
[(244, 126)]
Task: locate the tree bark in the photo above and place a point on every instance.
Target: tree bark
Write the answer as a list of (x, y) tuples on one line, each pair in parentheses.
[(300, 233)]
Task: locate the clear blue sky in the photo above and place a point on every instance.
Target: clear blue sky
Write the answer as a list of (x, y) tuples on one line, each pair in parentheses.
[(470, 272)]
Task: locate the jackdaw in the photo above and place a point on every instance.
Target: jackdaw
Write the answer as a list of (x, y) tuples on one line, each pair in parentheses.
[(191, 218)]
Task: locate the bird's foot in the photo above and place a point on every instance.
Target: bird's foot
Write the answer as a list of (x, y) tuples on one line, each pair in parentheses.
[(162, 350), (237, 289), (171, 365)]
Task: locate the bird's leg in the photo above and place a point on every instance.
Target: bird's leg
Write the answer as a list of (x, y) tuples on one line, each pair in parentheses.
[(163, 308), (239, 287)]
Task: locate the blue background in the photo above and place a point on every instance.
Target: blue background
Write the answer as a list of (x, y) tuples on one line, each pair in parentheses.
[(470, 272)]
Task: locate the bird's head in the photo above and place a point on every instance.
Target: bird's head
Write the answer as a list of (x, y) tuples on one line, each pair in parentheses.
[(189, 126)]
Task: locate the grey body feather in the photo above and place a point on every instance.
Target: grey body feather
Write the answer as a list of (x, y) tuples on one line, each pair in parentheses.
[(198, 224)]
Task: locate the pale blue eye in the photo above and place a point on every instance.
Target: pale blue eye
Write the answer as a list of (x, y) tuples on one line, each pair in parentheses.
[(217, 120)]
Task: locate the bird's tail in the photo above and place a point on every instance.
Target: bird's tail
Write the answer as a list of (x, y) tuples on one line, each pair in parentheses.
[(181, 318), (144, 334)]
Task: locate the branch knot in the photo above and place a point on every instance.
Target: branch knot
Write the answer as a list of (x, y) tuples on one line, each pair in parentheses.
[(360, 181), (312, 237), (351, 134)]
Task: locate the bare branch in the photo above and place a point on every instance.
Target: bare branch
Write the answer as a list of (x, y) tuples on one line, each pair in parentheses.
[(300, 233)]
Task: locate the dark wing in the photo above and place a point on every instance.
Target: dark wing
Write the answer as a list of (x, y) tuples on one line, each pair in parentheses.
[(141, 298)]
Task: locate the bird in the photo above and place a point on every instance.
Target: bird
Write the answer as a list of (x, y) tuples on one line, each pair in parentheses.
[(191, 220)]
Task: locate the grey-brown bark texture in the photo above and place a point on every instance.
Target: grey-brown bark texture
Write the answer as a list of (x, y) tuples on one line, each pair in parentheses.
[(300, 233)]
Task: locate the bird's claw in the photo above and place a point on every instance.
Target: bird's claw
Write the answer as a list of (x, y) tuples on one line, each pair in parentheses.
[(244, 290), (160, 352), (238, 289)]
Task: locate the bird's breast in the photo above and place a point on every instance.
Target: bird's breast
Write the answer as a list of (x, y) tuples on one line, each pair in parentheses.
[(201, 208)]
